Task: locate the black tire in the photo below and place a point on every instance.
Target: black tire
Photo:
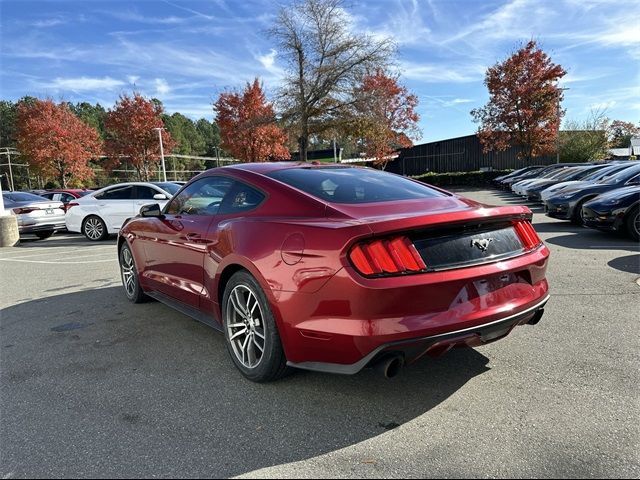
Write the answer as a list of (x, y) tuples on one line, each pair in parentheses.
[(44, 235), (272, 364), (129, 276), (94, 228), (577, 218), (632, 223)]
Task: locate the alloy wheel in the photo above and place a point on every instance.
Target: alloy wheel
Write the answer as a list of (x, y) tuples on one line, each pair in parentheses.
[(93, 228), (128, 272), (245, 326), (636, 224)]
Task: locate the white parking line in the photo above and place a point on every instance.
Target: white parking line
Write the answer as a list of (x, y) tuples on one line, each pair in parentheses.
[(57, 252), (58, 263)]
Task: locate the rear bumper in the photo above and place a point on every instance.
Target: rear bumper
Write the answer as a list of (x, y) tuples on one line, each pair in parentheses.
[(435, 345), (41, 226), (351, 320)]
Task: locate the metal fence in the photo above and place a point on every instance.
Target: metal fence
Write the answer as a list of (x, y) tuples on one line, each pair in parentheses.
[(462, 154)]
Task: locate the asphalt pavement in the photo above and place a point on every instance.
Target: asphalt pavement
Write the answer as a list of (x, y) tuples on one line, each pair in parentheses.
[(93, 386)]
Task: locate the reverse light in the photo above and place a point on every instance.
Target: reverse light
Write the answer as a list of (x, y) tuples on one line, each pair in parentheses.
[(394, 255), (527, 234)]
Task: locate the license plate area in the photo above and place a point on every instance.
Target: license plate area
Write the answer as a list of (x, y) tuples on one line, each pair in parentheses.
[(48, 211)]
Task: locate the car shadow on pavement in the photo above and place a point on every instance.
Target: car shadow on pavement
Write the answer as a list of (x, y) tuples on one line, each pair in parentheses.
[(588, 239), (92, 385), (630, 264)]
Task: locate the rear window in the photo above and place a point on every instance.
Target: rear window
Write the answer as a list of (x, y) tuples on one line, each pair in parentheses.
[(23, 197), (354, 185)]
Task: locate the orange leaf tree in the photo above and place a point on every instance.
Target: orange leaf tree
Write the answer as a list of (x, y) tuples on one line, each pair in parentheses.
[(523, 107), (56, 142), (385, 116), (248, 129), (131, 134)]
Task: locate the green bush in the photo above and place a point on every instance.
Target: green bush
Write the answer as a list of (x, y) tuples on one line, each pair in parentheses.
[(456, 179)]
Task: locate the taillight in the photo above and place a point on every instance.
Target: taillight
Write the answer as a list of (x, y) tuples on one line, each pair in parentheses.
[(394, 255), (527, 234), (69, 205), (20, 211)]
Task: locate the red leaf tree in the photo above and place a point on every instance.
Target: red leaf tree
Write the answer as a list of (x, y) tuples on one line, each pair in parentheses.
[(247, 126), (524, 104), (56, 142), (131, 134), (385, 116)]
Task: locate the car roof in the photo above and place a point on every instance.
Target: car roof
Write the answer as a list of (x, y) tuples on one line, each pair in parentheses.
[(265, 168)]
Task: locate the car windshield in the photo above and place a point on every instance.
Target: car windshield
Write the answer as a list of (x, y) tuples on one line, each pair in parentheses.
[(354, 185), (607, 172), (23, 197), (620, 177), (168, 187)]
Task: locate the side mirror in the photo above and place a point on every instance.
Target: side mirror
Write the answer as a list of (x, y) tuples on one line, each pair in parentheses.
[(160, 196), (152, 210)]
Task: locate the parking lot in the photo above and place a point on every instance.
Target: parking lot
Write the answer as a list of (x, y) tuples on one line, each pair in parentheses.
[(91, 385)]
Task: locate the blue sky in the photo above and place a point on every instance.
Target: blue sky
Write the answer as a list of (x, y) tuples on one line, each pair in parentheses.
[(186, 52)]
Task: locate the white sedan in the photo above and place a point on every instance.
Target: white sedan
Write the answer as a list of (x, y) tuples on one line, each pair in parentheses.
[(104, 211)]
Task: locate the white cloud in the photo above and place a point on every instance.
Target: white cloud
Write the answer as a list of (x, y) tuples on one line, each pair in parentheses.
[(440, 73), (84, 83), (132, 78), (269, 59), (162, 87), (50, 22), (130, 16)]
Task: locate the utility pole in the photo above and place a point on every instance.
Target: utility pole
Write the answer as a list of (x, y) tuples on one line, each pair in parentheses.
[(335, 156), (10, 171), (558, 130), (164, 170)]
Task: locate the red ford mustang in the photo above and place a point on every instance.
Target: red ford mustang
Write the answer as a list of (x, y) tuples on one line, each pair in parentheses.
[(335, 268)]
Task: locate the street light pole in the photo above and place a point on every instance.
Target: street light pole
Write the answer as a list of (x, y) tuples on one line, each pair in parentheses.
[(164, 170)]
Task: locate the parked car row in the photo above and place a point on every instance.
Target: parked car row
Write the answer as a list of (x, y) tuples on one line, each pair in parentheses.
[(605, 196), (96, 214)]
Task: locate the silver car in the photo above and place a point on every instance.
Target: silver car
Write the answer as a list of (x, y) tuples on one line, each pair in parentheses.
[(35, 214)]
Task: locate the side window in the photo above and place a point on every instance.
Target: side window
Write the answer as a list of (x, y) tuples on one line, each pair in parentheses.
[(66, 198), (145, 193), (242, 198), (203, 197), (117, 193), (634, 180)]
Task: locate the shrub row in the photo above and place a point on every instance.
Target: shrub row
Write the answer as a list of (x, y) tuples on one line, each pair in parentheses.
[(466, 179)]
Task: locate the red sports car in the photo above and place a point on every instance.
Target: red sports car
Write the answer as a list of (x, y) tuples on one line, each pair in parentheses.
[(335, 268)]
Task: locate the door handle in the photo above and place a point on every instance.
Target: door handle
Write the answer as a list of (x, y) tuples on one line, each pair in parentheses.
[(193, 236)]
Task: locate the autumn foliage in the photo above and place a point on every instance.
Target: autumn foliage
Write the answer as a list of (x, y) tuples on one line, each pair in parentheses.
[(56, 142), (247, 126), (523, 107), (385, 114), (131, 136)]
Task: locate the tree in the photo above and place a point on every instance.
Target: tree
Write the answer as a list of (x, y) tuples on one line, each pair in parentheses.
[(56, 142), (583, 141), (325, 61), (92, 115), (247, 125), (384, 115), (524, 104), (210, 133), (131, 133), (183, 130), (8, 111), (621, 132)]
